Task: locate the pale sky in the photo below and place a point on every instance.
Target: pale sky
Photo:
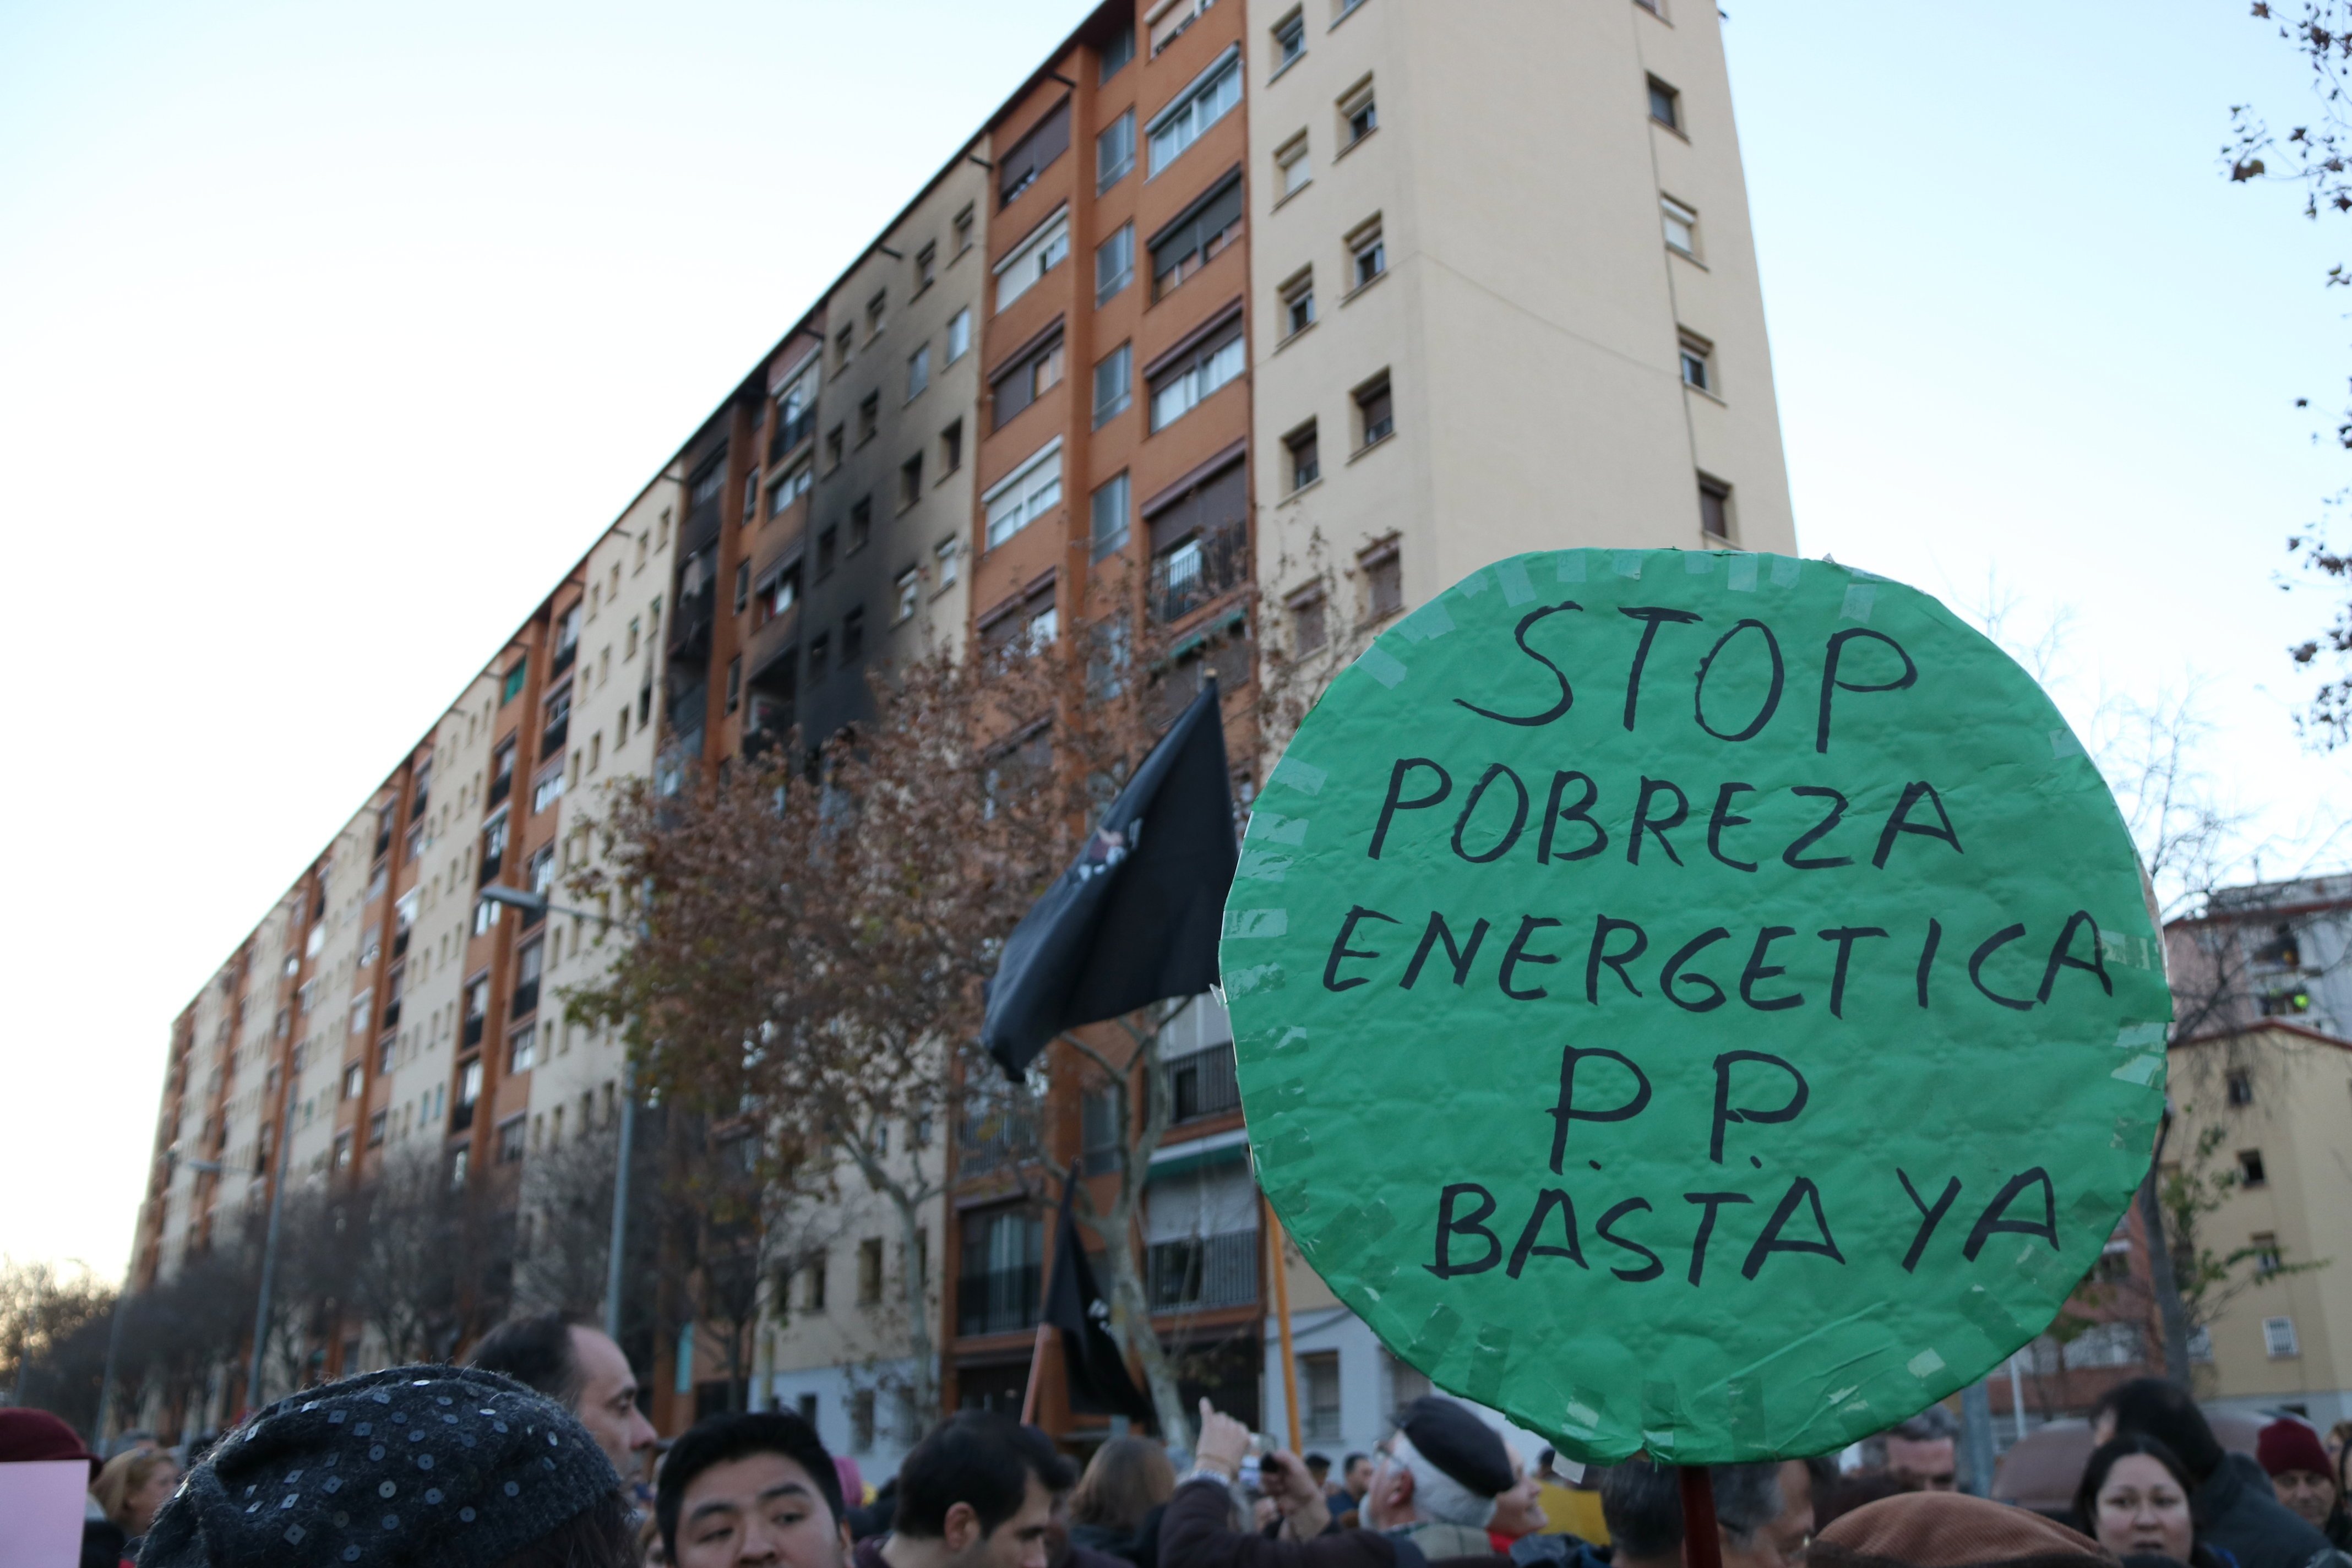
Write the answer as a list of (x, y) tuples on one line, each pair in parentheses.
[(328, 337)]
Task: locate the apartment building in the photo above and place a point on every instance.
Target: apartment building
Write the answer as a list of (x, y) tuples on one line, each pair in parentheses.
[(1244, 324)]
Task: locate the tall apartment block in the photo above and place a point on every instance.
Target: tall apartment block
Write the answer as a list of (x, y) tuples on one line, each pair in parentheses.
[(1255, 322)]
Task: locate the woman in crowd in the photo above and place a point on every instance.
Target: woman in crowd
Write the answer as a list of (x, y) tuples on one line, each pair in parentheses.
[(1125, 1484), (133, 1486), (2134, 1501)]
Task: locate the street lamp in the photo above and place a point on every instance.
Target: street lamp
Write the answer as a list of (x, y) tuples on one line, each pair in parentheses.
[(531, 903)]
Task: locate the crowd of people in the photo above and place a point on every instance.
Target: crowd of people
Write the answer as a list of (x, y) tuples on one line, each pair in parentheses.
[(535, 1455)]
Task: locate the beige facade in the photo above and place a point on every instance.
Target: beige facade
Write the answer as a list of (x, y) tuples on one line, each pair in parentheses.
[(2281, 1096), (1532, 306)]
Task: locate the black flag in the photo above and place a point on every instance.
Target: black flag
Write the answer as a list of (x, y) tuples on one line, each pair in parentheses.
[(1099, 1385), (1137, 917)]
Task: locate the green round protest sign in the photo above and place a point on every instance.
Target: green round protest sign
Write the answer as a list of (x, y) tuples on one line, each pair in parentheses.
[(1700, 1003)]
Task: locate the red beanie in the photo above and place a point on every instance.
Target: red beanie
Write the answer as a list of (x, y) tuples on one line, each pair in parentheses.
[(29, 1434), (2286, 1444)]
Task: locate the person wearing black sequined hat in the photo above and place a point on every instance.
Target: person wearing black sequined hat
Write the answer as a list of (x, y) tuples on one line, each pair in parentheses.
[(449, 1466)]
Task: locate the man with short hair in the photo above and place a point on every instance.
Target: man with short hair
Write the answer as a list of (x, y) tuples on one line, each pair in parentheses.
[(582, 1369), (1924, 1450), (977, 1493), (752, 1488), (2235, 1506), (1754, 1519)]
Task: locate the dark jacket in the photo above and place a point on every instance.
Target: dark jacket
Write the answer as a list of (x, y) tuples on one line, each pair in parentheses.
[(2237, 1511), (1197, 1531)]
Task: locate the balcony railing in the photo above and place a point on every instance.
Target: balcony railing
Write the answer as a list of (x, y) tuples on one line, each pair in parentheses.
[(565, 652), (1207, 566), (382, 842), (490, 867), (502, 786), (552, 738), (392, 1014), (995, 1138), (997, 1302), (473, 1035), (1202, 1272), (461, 1116), (690, 630), (791, 434), (1203, 1084), (526, 999)]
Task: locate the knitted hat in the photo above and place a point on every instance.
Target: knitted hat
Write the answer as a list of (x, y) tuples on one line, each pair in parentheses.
[(449, 1466), (2286, 1444)]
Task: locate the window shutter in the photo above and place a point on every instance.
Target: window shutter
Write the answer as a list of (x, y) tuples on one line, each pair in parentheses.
[(1047, 141)]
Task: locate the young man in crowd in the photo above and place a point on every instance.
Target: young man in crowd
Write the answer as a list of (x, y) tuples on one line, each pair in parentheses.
[(2235, 1507), (1924, 1450), (977, 1493), (751, 1489), (582, 1370)]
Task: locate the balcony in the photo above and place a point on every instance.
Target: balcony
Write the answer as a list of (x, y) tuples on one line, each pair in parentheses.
[(994, 1139), (1203, 1084), (400, 943), (461, 1116), (565, 652), (392, 1014), (526, 999), (383, 841), (689, 629), (472, 1033), (790, 434), (1203, 568), (559, 730), (1201, 1273), (502, 786), (997, 1302), (490, 865)]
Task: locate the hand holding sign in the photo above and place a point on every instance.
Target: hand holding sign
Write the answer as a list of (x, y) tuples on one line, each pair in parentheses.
[(1695, 1003)]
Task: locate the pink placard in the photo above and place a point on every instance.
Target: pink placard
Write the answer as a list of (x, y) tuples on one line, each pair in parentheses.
[(44, 1501)]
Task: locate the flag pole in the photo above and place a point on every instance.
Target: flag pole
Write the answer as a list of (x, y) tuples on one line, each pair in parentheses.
[(1282, 1321), (1701, 1548), (1045, 1329)]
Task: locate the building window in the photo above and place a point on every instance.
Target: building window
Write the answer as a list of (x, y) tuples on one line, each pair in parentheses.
[(1383, 570), (861, 1415), (1114, 385), (1360, 116), (927, 266), (813, 1286), (877, 308), (734, 684), (354, 1080), (1665, 105), (1369, 253), (1109, 509), (1681, 225), (869, 1272), (1029, 261), (511, 1136), (1715, 519), (1210, 97), (843, 346), (2264, 1246), (2278, 1338), (820, 656), (1289, 41), (1318, 1389), (1298, 449), (1698, 361), (1197, 238), (833, 447), (943, 555), (1017, 170), (788, 489), (1375, 413), (1173, 20), (742, 587), (958, 334), (1298, 304), (853, 636), (951, 448), (1115, 152), (909, 585), (522, 1050), (2250, 1168), (1036, 370), (1026, 494), (1293, 168), (1177, 391), (828, 548), (1307, 630), (861, 523), (1115, 263), (751, 492), (910, 481), (2241, 1088), (919, 372), (962, 231), (1117, 51), (869, 416)]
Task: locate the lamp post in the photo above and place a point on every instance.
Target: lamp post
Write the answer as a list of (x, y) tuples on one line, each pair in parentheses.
[(538, 904), (269, 1239)]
